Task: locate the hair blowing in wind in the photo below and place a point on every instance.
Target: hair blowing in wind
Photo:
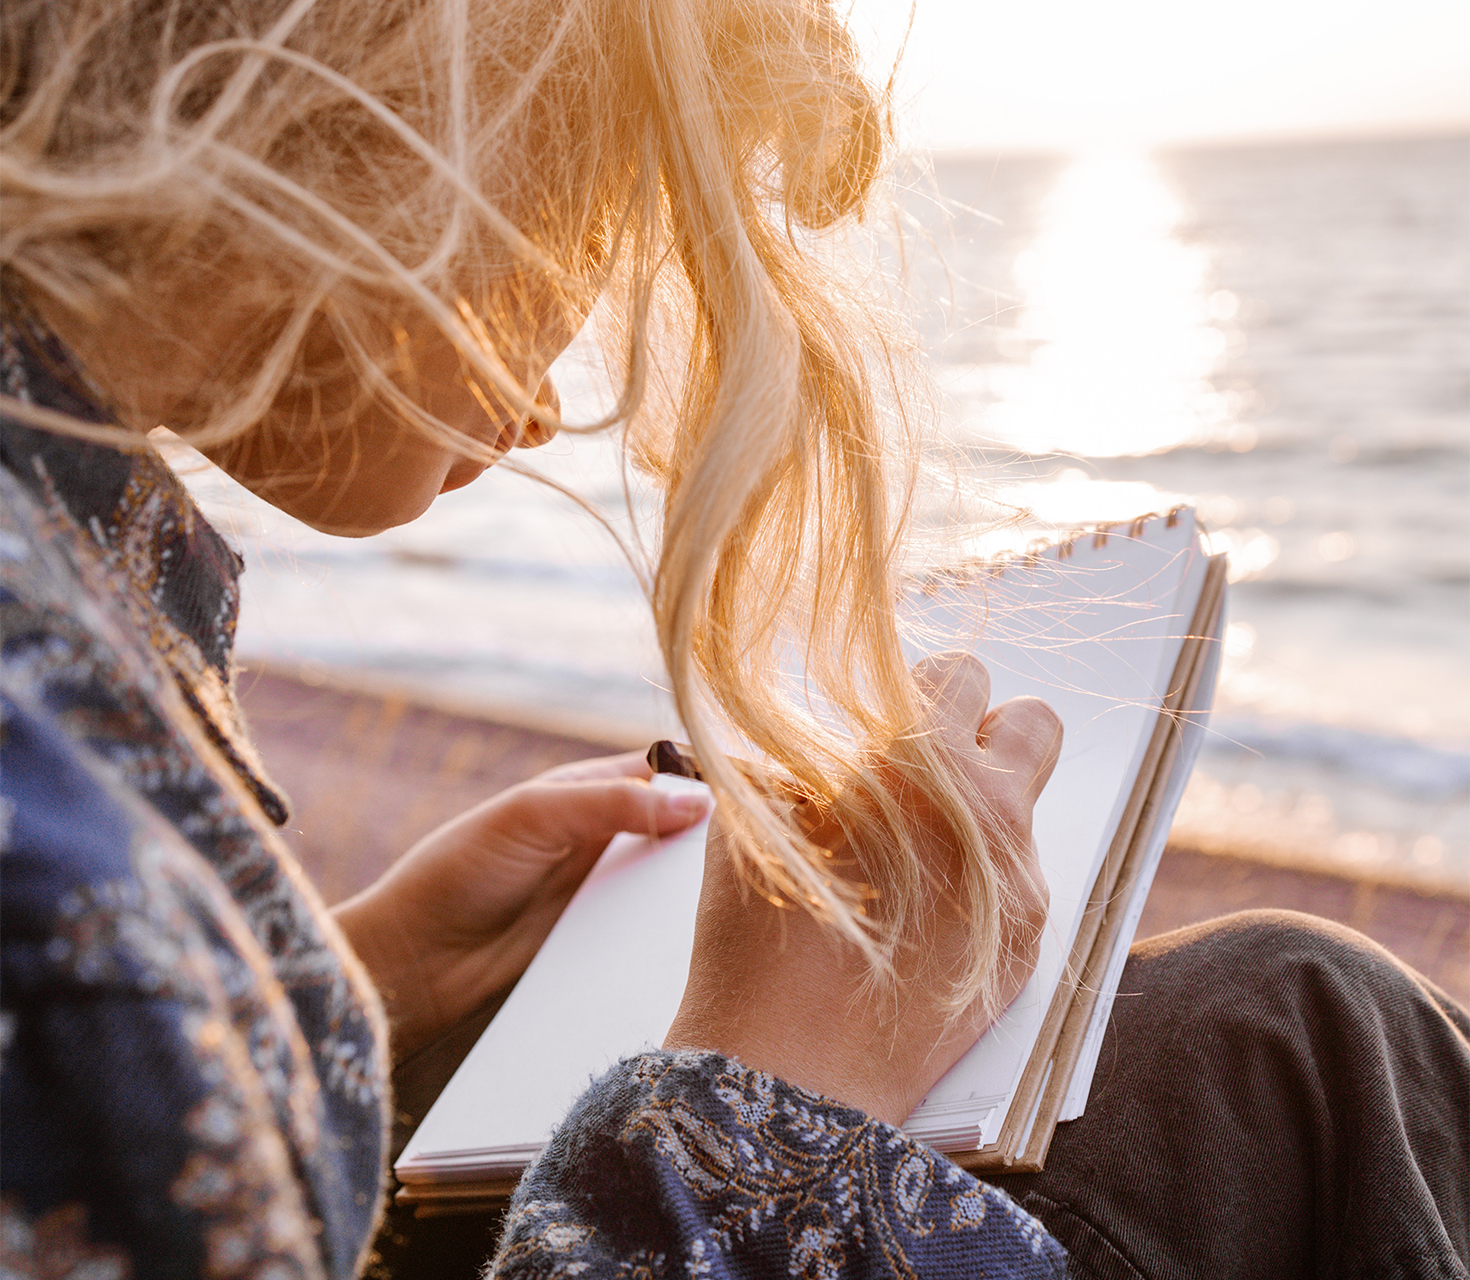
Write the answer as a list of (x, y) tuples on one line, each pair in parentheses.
[(335, 180)]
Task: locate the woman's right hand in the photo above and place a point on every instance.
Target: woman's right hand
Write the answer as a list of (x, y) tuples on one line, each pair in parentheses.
[(776, 990)]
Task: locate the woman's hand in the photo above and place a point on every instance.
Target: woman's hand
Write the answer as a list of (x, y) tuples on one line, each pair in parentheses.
[(779, 992), (460, 915)]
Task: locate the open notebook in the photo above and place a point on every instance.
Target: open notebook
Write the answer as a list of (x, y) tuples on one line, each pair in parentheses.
[(1119, 632)]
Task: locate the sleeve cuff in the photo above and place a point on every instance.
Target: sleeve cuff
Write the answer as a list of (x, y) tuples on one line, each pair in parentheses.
[(689, 1164)]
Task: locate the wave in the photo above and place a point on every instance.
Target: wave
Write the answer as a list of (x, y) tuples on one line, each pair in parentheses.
[(1412, 584), (1431, 453), (1425, 771), (374, 559)]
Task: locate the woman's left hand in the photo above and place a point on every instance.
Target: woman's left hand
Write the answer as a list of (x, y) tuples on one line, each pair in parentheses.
[(460, 915)]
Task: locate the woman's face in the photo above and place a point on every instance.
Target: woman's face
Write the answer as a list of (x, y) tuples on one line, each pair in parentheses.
[(352, 468), (325, 452)]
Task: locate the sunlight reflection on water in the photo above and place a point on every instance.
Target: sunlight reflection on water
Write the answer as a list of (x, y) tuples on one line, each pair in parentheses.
[(1119, 322)]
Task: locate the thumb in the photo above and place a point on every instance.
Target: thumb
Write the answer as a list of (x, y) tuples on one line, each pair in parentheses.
[(590, 813)]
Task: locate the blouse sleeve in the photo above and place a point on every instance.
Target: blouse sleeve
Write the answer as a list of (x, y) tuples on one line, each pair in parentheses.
[(691, 1165), (147, 1129)]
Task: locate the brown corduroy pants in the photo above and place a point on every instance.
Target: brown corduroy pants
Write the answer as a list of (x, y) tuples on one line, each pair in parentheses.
[(1277, 1096)]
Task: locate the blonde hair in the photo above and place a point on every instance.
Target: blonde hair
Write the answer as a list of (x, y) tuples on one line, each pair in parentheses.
[(320, 165)]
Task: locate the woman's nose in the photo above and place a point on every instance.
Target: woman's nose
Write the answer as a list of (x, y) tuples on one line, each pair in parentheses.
[(537, 431)]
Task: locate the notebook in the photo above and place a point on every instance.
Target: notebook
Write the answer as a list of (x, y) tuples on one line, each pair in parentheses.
[(1118, 629)]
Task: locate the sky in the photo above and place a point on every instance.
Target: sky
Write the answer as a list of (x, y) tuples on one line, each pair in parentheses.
[(1068, 74)]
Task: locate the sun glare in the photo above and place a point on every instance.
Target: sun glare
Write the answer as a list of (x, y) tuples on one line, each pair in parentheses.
[(1118, 318)]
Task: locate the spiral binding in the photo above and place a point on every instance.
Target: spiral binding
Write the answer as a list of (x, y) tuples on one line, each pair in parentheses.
[(1063, 547)]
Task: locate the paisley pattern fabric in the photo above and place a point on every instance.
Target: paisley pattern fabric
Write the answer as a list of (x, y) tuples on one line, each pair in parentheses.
[(192, 1079), (690, 1165)]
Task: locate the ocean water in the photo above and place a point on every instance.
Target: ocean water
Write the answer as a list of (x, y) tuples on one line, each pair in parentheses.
[(1278, 334)]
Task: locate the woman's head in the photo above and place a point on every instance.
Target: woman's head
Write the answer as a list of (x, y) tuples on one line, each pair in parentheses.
[(288, 211), (302, 175), (328, 214)]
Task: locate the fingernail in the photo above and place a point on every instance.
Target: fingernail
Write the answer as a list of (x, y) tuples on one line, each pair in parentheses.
[(688, 808)]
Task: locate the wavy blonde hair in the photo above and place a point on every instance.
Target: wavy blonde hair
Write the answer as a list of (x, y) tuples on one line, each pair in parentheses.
[(321, 164)]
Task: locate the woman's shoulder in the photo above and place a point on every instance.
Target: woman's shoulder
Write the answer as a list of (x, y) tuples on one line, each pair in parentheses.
[(158, 1095), (80, 638), (179, 1016), (110, 576)]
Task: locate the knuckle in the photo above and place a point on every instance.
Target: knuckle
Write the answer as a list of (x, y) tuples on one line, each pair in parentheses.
[(943, 670), (1005, 794), (1043, 713), (1037, 900), (1029, 917)]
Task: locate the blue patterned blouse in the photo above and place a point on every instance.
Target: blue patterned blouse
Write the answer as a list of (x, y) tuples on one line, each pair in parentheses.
[(192, 1062)]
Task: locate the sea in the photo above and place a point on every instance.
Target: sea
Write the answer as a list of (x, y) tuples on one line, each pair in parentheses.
[(1277, 334)]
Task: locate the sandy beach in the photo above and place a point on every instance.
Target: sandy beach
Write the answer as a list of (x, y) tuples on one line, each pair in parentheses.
[(369, 770)]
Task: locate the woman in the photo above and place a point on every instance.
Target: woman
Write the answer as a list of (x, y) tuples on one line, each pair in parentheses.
[(337, 246)]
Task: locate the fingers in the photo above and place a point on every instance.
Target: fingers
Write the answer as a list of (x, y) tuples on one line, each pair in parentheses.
[(1023, 736), (958, 687), (628, 764), (590, 813)]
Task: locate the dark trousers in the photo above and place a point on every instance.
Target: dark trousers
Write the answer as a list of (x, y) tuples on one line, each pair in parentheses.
[(1276, 1096)]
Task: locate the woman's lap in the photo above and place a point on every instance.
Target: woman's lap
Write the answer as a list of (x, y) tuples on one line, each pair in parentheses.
[(1276, 1096)]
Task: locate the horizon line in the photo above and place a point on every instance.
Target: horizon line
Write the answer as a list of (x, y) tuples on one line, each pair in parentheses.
[(1223, 140)]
